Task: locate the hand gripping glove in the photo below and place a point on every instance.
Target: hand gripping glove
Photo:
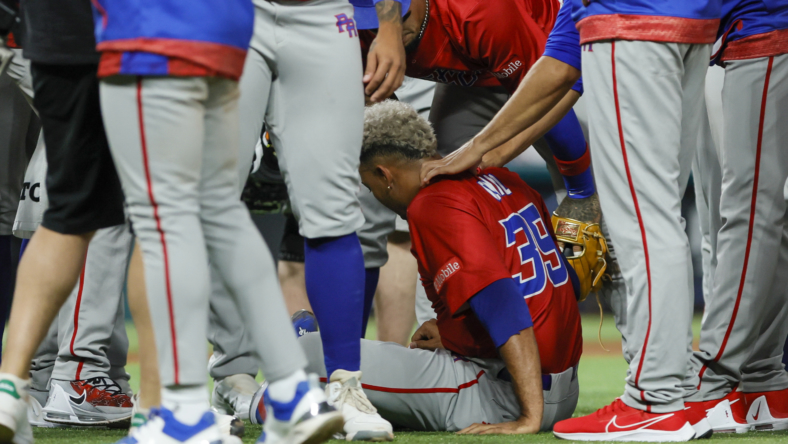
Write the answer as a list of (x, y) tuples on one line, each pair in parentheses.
[(589, 263)]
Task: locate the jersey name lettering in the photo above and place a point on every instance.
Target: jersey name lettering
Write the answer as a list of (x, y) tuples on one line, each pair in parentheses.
[(492, 185)]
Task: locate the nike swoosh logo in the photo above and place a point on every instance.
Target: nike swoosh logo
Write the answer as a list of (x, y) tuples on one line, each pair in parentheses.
[(79, 400), (643, 424), (757, 413)]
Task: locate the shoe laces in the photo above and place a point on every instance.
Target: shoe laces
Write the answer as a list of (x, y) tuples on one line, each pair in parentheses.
[(353, 395), (105, 384), (609, 408)]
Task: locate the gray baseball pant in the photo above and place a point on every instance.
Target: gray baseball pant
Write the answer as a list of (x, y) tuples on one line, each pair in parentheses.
[(303, 78), (746, 319), (174, 142), (707, 175), (440, 391), (91, 324), (643, 132)]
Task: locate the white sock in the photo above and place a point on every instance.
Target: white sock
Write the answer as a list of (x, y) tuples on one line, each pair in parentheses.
[(187, 402), (284, 389)]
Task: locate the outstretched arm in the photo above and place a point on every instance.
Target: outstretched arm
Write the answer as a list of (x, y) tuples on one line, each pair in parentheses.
[(545, 85)]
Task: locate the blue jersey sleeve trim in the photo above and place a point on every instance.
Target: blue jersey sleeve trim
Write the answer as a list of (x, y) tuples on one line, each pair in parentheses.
[(502, 310), (563, 43)]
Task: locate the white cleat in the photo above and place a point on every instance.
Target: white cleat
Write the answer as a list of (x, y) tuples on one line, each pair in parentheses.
[(306, 419), (14, 427), (163, 428), (362, 420), (35, 412), (233, 395)]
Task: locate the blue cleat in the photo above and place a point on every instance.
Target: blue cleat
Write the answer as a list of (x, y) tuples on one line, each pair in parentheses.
[(163, 428), (304, 322), (307, 418)]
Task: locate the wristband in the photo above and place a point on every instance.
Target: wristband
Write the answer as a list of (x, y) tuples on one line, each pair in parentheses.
[(577, 176), (571, 154)]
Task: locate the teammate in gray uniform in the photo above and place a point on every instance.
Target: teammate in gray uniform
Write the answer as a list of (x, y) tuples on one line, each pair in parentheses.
[(317, 148), (738, 380)]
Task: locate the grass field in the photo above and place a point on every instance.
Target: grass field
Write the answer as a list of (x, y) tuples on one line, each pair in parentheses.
[(601, 380)]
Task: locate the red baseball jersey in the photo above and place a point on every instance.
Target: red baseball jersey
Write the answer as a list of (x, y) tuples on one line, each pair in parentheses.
[(480, 42), (470, 231)]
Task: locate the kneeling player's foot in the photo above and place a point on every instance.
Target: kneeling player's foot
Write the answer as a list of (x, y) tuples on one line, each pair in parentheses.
[(14, 427), (696, 416), (88, 402), (728, 415), (307, 418), (233, 395), (767, 410), (362, 420), (620, 422), (163, 428), (304, 322)]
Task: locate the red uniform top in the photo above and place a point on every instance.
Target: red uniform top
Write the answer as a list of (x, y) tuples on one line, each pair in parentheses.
[(480, 42), (469, 232)]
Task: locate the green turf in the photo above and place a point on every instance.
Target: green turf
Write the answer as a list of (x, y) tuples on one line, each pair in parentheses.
[(601, 380)]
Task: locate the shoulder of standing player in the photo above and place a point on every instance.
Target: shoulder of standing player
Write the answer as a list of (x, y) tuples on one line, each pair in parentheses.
[(508, 37)]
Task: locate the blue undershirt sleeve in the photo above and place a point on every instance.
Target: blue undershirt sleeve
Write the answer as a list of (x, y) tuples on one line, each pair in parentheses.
[(502, 310)]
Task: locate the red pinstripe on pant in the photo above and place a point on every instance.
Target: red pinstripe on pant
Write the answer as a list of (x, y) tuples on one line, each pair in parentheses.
[(162, 237)]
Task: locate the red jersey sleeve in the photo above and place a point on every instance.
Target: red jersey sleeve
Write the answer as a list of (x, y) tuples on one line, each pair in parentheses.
[(459, 253), (509, 37)]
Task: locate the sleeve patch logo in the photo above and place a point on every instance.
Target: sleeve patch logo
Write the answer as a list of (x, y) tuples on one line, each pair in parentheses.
[(567, 229), (510, 69), (447, 271)]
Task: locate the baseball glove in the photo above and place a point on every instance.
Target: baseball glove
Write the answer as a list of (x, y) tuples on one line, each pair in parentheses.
[(589, 263)]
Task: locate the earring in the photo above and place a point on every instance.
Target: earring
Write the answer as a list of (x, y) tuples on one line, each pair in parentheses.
[(389, 187)]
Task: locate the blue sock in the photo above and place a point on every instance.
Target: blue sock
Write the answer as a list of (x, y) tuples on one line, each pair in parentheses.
[(370, 285), (334, 269)]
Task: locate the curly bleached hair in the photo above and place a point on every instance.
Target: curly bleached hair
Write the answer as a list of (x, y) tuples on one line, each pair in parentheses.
[(393, 128)]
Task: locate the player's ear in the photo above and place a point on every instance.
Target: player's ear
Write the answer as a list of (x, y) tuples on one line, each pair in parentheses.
[(384, 173)]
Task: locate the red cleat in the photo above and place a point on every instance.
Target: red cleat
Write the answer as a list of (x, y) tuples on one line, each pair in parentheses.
[(728, 415), (767, 410), (619, 422), (696, 416)]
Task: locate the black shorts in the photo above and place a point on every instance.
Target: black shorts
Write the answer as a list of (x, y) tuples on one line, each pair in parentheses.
[(292, 247), (82, 184)]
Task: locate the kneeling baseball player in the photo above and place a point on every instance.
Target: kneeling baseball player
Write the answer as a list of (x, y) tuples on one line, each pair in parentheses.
[(489, 363)]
